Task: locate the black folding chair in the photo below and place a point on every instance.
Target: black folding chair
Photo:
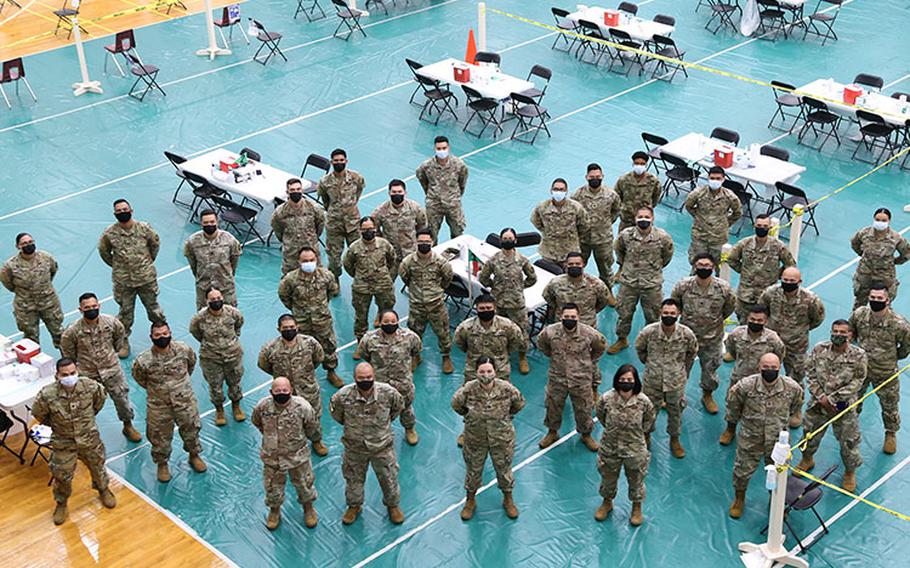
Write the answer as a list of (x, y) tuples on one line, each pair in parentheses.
[(381, 3), (543, 73), (487, 57), (42, 445), (414, 67), (653, 142), (146, 74), (549, 266), (349, 17), (876, 134), (628, 8), (233, 214), (665, 19), (483, 108), (680, 177), (65, 17), (268, 40), (820, 120), (176, 160), (626, 58), (593, 40), (745, 199), (821, 22), (725, 134), (771, 19), (5, 2), (531, 117), (309, 186), (788, 197), (124, 42), (874, 82), (722, 11), (564, 23), (13, 72), (204, 193), (230, 18), (170, 4), (758, 195), (436, 97), (458, 293), (309, 10), (804, 494), (785, 99), (251, 154), (666, 47)]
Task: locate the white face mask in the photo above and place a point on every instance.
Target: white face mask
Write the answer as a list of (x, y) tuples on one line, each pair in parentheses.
[(442, 154), (308, 267), (639, 169), (880, 225), (558, 196), (715, 183), (69, 381)]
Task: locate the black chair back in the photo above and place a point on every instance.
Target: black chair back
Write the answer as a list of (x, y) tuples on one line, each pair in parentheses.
[(674, 161), (590, 29), (540, 71), (775, 152), (195, 180), (529, 239), (340, 4), (815, 104), (628, 8), (791, 190), (522, 99), (867, 116), (174, 159), (251, 154), (649, 138), (487, 57), (664, 19), (899, 94), (664, 42), (726, 135), (867, 80), (621, 36), (559, 12), (493, 239), (549, 266), (471, 94), (124, 41), (413, 65), (13, 70), (317, 161)]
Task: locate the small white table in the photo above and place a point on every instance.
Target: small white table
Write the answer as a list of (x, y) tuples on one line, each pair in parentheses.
[(264, 188), (18, 395), (489, 81), (828, 91), (637, 28)]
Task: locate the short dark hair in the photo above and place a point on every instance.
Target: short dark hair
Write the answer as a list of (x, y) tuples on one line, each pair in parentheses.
[(307, 247), (508, 230), (574, 254), (440, 140), (292, 181), (560, 180), (64, 362), (364, 220), (338, 152), (485, 299), (284, 317), (20, 235), (483, 360), (622, 370), (384, 312), (670, 302), (716, 170), (87, 296), (594, 166), (397, 183), (158, 325), (884, 210), (424, 231), (121, 200), (877, 286), (842, 321), (703, 256), (569, 306), (210, 288), (207, 212), (640, 156), (762, 216), (759, 309)]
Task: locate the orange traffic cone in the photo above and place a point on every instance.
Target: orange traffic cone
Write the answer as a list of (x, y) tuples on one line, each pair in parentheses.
[(472, 48)]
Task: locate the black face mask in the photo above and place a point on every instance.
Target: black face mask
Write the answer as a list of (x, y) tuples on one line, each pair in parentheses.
[(877, 306), (389, 328), (162, 342), (643, 224), (507, 245), (704, 272), (91, 314), (364, 385), (124, 216), (368, 235), (29, 248), (216, 304), (281, 397), (338, 167), (762, 232), (486, 315), (574, 271), (397, 199), (295, 196), (769, 375), (424, 248), (668, 320), (755, 327), (595, 182), (789, 286), (569, 324), (209, 229), (288, 334), (625, 387)]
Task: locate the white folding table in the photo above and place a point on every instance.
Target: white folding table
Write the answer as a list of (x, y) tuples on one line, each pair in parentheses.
[(637, 28), (19, 395), (264, 188), (894, 111), (489, 81)]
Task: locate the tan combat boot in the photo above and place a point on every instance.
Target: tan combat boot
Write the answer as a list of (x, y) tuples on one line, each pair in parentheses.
[(676, 448), (739, 502), (890, 445), (124, 349), (460, 440), (637, 518), (107, 499), (197, 464), (726, 437), (603, 511), (320, 449), (728, 357), (849, 481), (796, 420), (396, 516), (611, 299), (60, 513), (415, 361), (589, 442), (356, 354), (274, 518), (334, 379), (350, 515), (707, 399), (447, 367), (220, 420), (131, 433), (621, 343), (806, 463), (467, 513), (523, 366), (549, 439), (310, 519), (239, 416), (411, 437), (164, 474), (509, 505)]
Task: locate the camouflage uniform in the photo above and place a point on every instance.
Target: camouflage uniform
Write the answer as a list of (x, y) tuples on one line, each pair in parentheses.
[(642, 259), (427, 280), (572, 372), (713, 213), (297, 362), (340, 194), (368, 440), (71, 416), (886, 340), (169, 398), (32, 283), (635, 192), (399, 224), (307, 296), (838, 376), (370, 265), (94, 346), (131, 255), (792, 317), (668, 360), (589, 293), (488, 430), (391, 359), (495, 342), (762, 413), (747, 350), (562, 228), (704, 311), (507, 276), (443, 184), (622, 445), (220, 353), (602, 206), (297, 225), (759, 266), (214, 263), (284, 451), (877, 262)]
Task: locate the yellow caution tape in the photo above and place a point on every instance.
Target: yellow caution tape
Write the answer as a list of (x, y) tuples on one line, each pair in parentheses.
[(843, 491)]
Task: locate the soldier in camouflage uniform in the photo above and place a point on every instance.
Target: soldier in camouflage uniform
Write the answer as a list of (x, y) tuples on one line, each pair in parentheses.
[(427, 275), (761, 404), (714, 209), (369, 261), (489, 335), (398, 221), (885, 336), (129, 247), (562, 222), (392, 351), (488, 406), (636, 189), (296, 356), (706, 302), (69, 406), (340, 191), (667, 349), (837, 371), (507, 274), (217, 329), (213, 255), (876, 247), (793, 312), (367, 409), (443, 179), (306, 291), (29, 275), (627, 417), (642, 253), (164, 372), (759, 261), (92, 342), (297, 223), (286, 422), (602, 206), (573, 348), (746, 344), (590, 294)]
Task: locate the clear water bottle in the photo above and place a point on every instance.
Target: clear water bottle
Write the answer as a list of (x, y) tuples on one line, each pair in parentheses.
[(770, 477)]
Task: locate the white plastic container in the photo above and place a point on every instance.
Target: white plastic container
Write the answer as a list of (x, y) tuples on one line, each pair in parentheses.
[(44, 363)]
